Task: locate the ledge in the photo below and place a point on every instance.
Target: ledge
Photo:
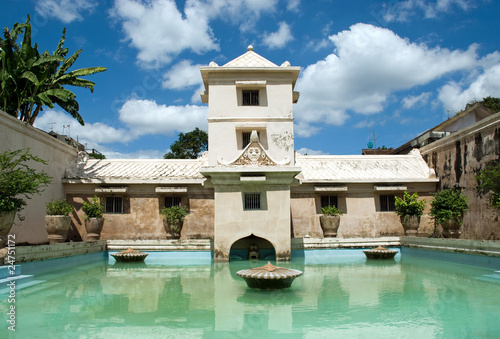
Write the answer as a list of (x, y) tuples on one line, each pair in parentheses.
[(67, 249), (161, 245), (489, 248), (332, 243)]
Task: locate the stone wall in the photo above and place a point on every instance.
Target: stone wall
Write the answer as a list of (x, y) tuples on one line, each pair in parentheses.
[(14, 135), (140, 218), (457, 159)]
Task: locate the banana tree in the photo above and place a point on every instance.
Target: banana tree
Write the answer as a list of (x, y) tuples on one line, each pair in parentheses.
[(30, 80)]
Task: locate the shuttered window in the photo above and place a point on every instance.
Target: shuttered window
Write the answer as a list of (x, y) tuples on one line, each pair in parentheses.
[(328, 200), (387, 203), (252, 201), (172, 201), (114, 205), (250, 97)]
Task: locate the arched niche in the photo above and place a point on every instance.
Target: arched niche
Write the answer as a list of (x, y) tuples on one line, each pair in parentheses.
[(252, 248)]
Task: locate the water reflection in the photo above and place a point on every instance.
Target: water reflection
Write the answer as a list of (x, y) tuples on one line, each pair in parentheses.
[(347, 297)]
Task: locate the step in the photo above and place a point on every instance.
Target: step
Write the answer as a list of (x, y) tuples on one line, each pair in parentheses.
[(20, 284), (7, 271)]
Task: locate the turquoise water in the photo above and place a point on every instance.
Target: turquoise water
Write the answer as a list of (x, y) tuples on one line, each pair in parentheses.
[(340, 294)]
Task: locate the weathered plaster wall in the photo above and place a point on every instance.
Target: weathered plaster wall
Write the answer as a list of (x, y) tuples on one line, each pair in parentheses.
[(361, 207), (14, 135), (457, 159), (141, 218)]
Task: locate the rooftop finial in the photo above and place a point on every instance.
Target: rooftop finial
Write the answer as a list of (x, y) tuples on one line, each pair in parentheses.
[(250, 47)]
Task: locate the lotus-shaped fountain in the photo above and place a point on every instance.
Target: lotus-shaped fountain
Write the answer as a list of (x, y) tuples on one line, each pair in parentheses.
[(380, 253), (129, 255), (269, 276)]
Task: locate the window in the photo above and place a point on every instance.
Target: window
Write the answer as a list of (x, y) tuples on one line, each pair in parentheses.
[(328, 200), (250, 97), (172, 201), (114, 205), (252, 201), (246, 138), (387, 203)]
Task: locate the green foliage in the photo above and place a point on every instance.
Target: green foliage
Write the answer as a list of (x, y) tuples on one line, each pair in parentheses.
[(17, 179), (449, 204), (174, 213), (99, 156), (30, 80), (189, 145), (58, 207), (94, 208), (409, 205), (489, 179), (492, 103), (331, 210)]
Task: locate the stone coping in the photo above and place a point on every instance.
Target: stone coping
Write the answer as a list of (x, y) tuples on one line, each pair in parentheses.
[(161, 245), (332, 243), (479, 247), (67, 249)]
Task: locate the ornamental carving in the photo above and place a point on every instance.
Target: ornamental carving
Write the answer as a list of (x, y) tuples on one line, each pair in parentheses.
[(254, 155)]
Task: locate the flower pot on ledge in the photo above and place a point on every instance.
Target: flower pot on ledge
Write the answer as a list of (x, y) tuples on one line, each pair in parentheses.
[(329, 225), (173, 229), (93, 226), (57, 227), (410, 224), (451, 228), (6, 222)]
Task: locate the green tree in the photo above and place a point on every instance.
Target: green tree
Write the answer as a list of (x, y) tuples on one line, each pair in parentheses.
[(189, 145), (30, 80), (489, 179), (18, 179)]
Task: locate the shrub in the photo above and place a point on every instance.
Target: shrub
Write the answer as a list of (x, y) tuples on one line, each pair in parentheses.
[(94, 208), (331, 210), (489, 179), (18, 179), (449, 204), (174, 213), (409, 205), (58, 207)]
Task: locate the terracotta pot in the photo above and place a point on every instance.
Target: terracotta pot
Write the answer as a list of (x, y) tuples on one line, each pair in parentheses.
[(451, 228), (173, 229), (6, 221), (410, 224), (93, 226), (329, 225), (57, 227)]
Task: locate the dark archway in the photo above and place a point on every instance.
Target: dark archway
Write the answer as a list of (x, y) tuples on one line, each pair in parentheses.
[(252, 248)]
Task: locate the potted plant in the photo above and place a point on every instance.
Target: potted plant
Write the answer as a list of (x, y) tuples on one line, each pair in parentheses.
[(94, 220), (57, 221), (18, 182), (447, 209), (409, 209), (173, 220), (330, 220)]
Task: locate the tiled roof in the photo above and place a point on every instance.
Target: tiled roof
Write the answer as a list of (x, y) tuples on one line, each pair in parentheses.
[(365, 168), (136, 171), (250, 59)]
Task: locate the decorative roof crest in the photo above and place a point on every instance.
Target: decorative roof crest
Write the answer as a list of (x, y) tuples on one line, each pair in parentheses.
[(253, 155)]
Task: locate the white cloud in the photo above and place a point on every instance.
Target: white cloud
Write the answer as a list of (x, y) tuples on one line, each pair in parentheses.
[(304, 129), (308, 151), (402, 11), (455, 96), (147, 117), (65, 10), (293, 5), (422, 99), (160, 31), (182, 75), (141, 154), (369, 64), (279, 38), (93, 135)]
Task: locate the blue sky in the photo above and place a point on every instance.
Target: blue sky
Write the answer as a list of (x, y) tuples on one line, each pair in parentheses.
[(395, 68)]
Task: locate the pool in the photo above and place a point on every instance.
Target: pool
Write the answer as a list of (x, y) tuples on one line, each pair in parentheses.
[(340, 294)]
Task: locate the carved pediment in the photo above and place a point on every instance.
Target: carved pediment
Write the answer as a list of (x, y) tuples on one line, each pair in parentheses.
[(254, 155)]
